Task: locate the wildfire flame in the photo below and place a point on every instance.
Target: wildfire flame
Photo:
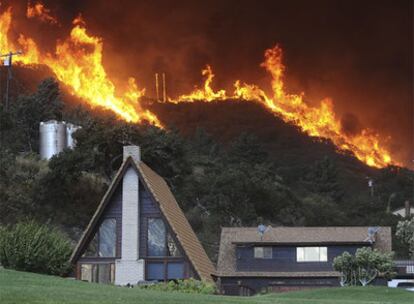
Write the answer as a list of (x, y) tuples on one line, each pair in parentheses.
[(207, 93), (315, 121), (38, 10), (77, 62)]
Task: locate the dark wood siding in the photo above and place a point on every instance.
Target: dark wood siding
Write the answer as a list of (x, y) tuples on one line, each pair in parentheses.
[(236, 285), (148, 209), (284, 259)]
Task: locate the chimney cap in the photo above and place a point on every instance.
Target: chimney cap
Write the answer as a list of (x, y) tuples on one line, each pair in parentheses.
[(132, 151)]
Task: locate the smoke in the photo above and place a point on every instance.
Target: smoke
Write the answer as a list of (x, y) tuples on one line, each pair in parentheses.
[(350, 124), (359, 54)]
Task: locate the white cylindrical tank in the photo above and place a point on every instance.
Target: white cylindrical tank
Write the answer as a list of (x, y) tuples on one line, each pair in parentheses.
[(52, 138), (70, 129)]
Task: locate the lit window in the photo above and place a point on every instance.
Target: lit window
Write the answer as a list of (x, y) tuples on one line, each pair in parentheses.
[(311, 254), (263, 252)]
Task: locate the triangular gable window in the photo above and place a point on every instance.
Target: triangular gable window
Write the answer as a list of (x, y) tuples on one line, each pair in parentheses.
[(160, 242), (103, 243)]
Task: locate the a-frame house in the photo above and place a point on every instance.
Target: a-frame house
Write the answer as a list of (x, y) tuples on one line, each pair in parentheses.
[(139, 233)]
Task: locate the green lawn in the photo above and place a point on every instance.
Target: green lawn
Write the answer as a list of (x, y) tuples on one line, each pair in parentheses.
[(22, 287)]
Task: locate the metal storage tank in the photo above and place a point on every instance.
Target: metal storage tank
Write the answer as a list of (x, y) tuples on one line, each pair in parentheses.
[(52, 138), (70, 129)]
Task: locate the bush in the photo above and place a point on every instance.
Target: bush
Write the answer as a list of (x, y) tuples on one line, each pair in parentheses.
[(29, 246), (405, 232), (363, 267), (186, 286)]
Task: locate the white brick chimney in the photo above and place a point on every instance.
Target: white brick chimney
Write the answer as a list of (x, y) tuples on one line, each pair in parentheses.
[(129, 269)]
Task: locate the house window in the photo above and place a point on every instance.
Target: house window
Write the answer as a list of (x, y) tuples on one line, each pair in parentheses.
[(160, 243), (155, 271), (263, 252), (107, 238), (104, 242), (175, 270), (98, 273), (311, 254), (165, 270), (156, 237)]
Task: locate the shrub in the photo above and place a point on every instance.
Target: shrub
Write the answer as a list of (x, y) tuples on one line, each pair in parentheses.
[(29, 246), (363, 267), (405, 232), (186, 286)]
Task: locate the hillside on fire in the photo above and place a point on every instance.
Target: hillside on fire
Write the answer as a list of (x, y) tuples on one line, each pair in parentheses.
[(229, 163), (287, 113)]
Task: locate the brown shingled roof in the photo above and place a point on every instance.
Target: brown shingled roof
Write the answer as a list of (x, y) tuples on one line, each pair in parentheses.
[(226, 265), (178, 222), (171, 211)]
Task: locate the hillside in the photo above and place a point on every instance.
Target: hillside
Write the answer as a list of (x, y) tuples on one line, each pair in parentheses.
[(26, 288), (230, 163)]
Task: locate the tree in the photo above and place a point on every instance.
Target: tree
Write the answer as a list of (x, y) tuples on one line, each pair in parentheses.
[(363, 267), (322, 211), (371, 263), (30, 110), (346, 265), (322, 178), (405, 232), (19, 183), (67, 186)]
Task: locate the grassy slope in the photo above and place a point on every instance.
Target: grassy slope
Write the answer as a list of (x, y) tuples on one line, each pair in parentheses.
[(22, 287)]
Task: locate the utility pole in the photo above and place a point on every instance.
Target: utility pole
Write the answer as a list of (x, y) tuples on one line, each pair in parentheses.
[(371, 186), (157, 87), (164, 89), (8, 62)]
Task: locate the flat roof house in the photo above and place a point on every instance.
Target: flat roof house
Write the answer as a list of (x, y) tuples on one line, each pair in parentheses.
[(139, 232), (289, 258)]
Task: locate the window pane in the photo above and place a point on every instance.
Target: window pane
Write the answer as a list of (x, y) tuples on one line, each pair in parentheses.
[(172, 247), (86, 272), (175, 271), (267, 252), (112, 273), (107, 238), (156, 237), (94, 273), (312, 253), (104, 273), (323, 254), (258, 252), (155, 271), (300, 254), (92, 249)]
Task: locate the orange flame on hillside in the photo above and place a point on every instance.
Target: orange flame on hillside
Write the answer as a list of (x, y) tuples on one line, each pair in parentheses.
[(77, 63), (315, 121), (207, 93)]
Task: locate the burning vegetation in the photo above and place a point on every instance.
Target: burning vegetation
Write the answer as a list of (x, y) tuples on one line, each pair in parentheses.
[(77, 62)]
